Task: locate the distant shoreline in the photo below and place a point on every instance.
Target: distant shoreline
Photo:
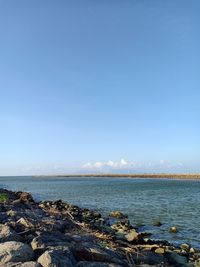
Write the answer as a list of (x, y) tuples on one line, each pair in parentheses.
[(154, 176), (170, 176)]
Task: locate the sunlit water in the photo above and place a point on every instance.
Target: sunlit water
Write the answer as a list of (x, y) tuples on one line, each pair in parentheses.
[(173, 202)]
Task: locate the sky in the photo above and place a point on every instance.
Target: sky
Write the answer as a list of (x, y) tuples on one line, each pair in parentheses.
[(99, 86)]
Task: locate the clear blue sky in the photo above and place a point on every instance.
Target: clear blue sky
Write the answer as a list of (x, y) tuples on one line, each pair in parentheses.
[(91, 81)]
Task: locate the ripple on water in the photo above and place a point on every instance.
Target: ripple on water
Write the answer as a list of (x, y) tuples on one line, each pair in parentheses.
[(173, 202)]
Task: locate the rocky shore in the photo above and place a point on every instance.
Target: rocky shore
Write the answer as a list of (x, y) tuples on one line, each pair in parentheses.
[(54, 233)]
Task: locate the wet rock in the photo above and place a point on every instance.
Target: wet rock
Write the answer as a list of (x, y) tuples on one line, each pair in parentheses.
[(173, 229), (185, 247), (15, 252), (117, 214), (7, 234), (96, 264), (23, 264), (147, 257), (57, 257), (176, 260), (49, 239), (92, 252), (157, 223)]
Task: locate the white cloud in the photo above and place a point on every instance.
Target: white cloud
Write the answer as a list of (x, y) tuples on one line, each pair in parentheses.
[(131, 166), (122, 164)]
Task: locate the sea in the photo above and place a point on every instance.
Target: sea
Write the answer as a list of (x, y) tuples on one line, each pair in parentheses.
[(172, 202)]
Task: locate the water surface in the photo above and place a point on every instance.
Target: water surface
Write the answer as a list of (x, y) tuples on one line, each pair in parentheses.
[(173, 202)]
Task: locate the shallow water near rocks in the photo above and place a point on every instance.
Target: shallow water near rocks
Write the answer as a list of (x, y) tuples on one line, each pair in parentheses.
[(173, 202)]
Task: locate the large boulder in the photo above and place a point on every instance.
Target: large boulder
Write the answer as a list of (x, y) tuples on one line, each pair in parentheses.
[(49, 239), (15, 252), (57, 258), (7, 234), (91, 252)]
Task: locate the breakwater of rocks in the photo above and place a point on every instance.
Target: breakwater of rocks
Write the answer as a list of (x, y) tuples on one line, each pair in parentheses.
[(54, 233)]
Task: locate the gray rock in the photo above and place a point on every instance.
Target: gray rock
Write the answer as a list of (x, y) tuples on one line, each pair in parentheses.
[(7, 234), (96, 264), (176, 259), (49, 239), (147, 257), (92, 252), (23, 264), (15, 252), (57, 258)]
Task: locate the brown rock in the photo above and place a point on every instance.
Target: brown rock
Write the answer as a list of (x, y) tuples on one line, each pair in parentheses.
[(173, 229), (132, 236), (24, 197)]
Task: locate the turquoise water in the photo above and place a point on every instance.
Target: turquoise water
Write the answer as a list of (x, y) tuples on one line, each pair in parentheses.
[(173, 202)]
